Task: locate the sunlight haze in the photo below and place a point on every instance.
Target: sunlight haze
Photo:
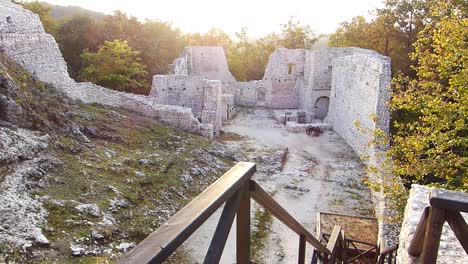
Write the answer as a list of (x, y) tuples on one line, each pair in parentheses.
[(260, 17)]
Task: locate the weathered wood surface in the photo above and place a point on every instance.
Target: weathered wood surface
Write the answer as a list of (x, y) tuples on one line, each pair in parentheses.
[(416, 246), (243, 228), (302, 250), (459, 227), (160, 244), (456, 201), (435, 222), (333, 244), (216, 248), (265, 200)]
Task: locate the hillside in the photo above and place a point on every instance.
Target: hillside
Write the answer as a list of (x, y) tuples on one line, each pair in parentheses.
[(86, 180), (59, 12)]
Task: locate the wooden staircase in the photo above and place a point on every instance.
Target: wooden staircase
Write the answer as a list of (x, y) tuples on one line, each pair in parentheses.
[(235, 189)]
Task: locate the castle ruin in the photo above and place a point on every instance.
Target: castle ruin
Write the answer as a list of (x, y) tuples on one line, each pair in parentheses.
[(343, 88)]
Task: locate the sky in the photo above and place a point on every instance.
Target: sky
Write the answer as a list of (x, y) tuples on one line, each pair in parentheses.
[(259, 16)]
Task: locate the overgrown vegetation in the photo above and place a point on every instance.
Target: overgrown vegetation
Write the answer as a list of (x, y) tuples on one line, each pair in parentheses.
[(137, 171), (429, 138)]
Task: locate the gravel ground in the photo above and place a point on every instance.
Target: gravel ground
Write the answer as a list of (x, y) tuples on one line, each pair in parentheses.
[(317, 174)]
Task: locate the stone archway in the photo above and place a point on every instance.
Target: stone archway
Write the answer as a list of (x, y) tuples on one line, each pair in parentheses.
[(321, 107)]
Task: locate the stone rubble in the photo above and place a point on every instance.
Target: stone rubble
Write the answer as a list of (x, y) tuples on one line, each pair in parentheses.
[(21, 216)]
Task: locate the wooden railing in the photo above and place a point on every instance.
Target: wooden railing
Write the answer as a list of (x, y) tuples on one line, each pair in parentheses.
[(235, 189), (388, 255), (444, 206)]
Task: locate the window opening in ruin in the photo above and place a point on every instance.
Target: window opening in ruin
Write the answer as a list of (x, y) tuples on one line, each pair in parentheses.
[(290, 69)]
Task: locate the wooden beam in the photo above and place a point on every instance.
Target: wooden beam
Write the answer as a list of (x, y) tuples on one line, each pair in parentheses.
[(265, 200), (416, 246), (435, 222), (160, 244), (333, 243), (456, 201), (222, 230), (243, 227), (459, 227), (302, 250)]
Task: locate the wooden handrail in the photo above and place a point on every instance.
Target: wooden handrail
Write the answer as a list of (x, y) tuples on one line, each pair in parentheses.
[(235, 189), (160, 244), (445, 206), (333, 244), (265, 200)]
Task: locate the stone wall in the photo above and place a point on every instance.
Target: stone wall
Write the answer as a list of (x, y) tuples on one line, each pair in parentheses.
[(23, 39), (206, 61), (194, 92), (450, 250), (360, 90)]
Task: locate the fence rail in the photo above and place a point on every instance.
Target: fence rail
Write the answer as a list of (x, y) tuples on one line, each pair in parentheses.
[(235, 189), (444, 206)]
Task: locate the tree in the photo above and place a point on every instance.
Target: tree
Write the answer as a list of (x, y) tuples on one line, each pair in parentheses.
[(74, 36), (294, 35), (430, 145), (43, 10), (160, 46), (115, 65), (214, 37)]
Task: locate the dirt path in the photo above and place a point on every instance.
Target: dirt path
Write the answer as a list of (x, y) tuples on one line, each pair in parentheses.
[(318, 174)]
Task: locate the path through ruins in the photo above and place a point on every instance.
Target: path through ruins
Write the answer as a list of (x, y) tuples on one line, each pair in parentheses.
[(318, 174)]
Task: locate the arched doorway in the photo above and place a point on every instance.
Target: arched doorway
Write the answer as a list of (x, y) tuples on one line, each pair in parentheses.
[(321, 107)]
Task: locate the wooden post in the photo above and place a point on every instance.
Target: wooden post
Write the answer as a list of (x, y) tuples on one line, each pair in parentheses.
[(459, 227), (222, 230), (417, 242), (243, 226), (435, 222), (302, 250)]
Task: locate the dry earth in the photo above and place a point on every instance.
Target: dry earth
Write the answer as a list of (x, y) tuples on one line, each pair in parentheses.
[(304, 174)]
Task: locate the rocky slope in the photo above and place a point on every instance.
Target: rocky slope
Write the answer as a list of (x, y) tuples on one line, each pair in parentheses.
[(84, 183)]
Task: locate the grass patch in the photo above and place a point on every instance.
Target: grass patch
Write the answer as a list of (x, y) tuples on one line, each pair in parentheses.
[(262, 227)]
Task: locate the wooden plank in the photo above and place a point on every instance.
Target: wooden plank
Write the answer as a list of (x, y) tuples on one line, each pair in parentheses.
[(435, 223), (160, 244), (302, 250), (265, 200), (243, 227), (221, 234), (457, 201), (459, 227), (416, 246), (333, 243)]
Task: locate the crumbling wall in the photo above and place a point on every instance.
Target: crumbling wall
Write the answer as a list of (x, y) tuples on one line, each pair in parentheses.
[(283, 78), (246, 93), (22, 38), (213, 105), (360, 90), (318, 76), (359, 93), (450, 250), (181, 90), (206, 61), (194, 92)]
